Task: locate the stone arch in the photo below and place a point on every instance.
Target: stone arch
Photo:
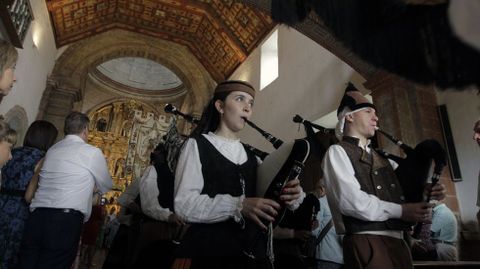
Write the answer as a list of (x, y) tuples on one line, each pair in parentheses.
[(70, 74), (74, 64), (18, 120)]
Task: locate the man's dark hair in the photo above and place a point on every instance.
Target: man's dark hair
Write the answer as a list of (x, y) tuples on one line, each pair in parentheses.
[(75, 123), (40, 135)]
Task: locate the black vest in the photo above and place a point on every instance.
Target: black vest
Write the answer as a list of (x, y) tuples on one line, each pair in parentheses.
[(221, 176), (165, 181), (376, 176)]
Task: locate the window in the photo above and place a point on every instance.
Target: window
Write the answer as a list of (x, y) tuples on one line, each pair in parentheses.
[(269, 60)]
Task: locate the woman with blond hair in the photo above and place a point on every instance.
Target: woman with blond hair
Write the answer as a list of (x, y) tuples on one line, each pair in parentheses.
[(19, 182), (8, 59)]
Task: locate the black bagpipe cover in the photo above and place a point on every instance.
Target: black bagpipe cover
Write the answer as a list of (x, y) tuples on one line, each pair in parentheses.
[(413, 171), (276, 170)]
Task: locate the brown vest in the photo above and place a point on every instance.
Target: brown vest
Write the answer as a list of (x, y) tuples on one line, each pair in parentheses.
[(376, 177)]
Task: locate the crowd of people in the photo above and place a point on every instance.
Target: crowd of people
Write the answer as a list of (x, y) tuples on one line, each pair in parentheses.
[(207, 213)]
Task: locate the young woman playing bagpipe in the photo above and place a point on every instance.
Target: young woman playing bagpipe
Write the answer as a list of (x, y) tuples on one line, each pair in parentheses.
[(215, 184)]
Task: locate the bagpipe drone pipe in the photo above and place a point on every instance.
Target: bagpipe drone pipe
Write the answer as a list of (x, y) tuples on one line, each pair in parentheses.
[(173, 139)]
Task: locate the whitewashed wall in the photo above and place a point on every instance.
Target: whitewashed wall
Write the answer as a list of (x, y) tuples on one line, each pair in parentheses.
[(34, 64), (463, 110), (311, 83)]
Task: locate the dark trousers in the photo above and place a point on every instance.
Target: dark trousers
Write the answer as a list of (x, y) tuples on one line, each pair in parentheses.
[(365, 251), (51, 239)]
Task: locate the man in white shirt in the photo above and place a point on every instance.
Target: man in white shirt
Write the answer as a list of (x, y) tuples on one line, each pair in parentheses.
[(364, 194), (72, 170)]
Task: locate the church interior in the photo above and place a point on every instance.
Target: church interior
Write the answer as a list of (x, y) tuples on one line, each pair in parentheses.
[(122, 61)]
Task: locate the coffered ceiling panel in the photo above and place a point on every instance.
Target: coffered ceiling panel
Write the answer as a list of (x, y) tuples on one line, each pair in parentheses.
[(221, 33)]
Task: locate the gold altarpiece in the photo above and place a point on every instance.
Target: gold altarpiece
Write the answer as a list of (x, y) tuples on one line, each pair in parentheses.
[(127, 132)]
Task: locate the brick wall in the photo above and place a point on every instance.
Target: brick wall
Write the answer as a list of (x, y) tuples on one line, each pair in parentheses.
[(408, 111)]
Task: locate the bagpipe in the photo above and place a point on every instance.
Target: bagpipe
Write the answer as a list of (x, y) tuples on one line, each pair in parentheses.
[(276, 143), (318, 143), (173, 142), (278, 168), (320, 140), (169, 108), (305, 216), (414, 170)]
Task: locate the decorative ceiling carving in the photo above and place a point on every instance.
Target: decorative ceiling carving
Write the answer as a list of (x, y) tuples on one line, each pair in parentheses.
[(220, 33)]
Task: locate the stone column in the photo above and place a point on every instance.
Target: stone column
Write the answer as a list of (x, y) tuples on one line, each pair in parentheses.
[(116, 124), (57, 102)]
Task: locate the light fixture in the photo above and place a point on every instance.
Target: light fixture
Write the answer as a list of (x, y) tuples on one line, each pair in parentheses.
[(36, 34)]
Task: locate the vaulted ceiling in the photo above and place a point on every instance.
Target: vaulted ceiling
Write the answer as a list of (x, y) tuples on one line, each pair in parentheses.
[(220, 33)]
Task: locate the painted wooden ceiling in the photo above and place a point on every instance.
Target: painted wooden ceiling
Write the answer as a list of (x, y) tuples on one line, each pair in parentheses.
[(220, 33)]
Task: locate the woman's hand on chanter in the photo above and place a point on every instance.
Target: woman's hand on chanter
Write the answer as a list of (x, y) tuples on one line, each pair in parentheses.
[(260, 208)]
